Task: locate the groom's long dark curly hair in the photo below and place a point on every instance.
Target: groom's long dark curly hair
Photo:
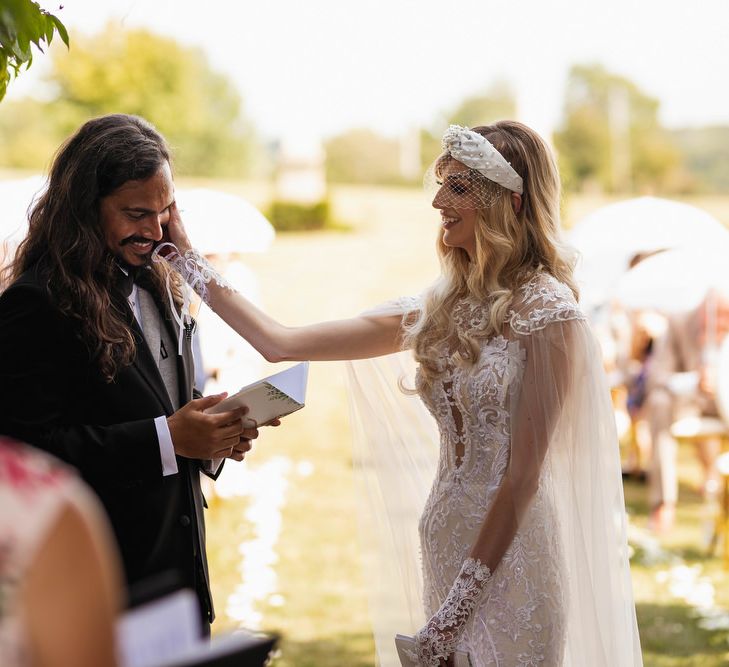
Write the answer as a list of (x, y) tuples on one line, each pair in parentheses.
[(65, 240)]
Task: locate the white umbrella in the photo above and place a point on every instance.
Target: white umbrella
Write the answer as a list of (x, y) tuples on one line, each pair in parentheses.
[(608, 238), (219, 222), (16, 197), (674, 281)]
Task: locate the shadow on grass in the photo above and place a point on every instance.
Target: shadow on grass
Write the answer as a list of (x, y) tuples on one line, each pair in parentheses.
[(698, 554), (688, 494), (637, 501), (670, 636), (353, 650), (636, 496)]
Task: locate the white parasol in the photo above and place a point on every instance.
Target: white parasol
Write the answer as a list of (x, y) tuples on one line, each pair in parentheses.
[(674, 281), (608, 238), (221, 223), (16, 197)]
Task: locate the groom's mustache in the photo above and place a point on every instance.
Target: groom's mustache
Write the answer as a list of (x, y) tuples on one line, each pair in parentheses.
[(137, 239)]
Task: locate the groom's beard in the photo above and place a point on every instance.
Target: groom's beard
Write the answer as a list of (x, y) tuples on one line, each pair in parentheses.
[(146, 257)]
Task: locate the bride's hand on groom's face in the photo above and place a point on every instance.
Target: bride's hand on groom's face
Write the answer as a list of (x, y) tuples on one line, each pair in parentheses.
[(176, 230)]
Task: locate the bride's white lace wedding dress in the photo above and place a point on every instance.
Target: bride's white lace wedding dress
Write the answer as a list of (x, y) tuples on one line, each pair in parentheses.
[(522, 619), (533, 414)]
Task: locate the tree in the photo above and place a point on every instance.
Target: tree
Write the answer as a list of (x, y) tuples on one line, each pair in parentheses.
[(495, 103), (363, 156), (705, 152), (611, 137), (23, 23), (139, 72)]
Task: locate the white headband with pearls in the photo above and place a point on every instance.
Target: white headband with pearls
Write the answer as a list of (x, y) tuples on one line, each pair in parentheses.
[(477, 152)]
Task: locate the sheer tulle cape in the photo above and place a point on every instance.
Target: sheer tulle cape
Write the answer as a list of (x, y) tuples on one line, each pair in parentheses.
[(563, 450)]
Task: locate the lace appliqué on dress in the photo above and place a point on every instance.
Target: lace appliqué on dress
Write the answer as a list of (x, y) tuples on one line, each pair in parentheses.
[(471, 316), (439, 638), (543, 300)]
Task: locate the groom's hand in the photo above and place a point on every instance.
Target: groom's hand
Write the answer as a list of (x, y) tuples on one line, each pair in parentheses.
[(250, 433), (197, 435)]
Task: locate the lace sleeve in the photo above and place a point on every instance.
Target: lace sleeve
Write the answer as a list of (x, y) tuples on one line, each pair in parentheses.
[(541, 301)]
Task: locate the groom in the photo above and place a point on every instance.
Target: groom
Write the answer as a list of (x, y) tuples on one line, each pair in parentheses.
[(89, 363)]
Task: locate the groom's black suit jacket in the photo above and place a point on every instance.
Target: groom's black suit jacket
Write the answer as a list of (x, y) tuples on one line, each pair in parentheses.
[(53, 397)]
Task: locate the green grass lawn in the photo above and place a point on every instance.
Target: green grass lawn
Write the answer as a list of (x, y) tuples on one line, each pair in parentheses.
[(670, 628), (324, 620), (319, 605)]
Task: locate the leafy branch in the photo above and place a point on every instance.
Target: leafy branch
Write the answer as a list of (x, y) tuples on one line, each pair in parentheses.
[(22, 24)]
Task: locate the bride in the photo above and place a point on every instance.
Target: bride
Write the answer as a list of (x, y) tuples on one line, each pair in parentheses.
[(523, 537)]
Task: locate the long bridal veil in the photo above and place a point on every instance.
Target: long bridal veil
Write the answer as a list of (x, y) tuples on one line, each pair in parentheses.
[(395, 452), (395, 456)]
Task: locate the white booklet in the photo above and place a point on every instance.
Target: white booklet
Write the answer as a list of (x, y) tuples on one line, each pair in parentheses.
[(407, 654), (272, 397), (166, 633), (160, 630)]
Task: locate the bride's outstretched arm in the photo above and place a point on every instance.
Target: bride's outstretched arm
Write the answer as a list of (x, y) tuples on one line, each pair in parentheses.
[(354, 338)]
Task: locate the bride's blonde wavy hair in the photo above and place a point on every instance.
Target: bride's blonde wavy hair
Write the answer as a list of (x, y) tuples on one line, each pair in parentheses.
[(510, 247)]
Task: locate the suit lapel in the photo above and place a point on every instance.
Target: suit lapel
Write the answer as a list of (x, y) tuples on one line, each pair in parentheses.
[(145, 364), (185, 364)]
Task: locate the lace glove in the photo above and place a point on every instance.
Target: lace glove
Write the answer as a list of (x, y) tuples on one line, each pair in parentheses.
[(441, 634), (193, 267)]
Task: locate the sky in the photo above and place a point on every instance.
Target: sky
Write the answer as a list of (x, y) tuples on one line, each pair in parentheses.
[(308, 69)]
